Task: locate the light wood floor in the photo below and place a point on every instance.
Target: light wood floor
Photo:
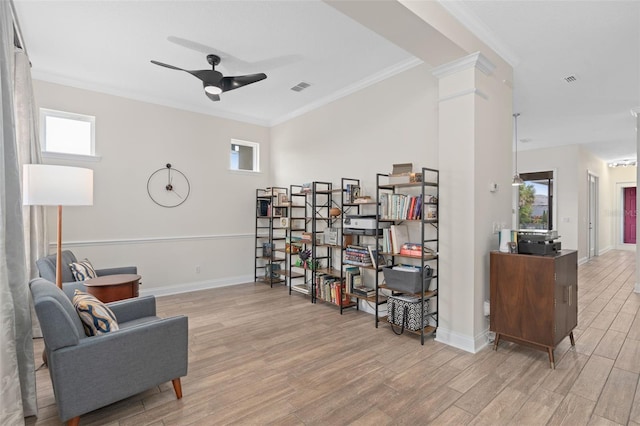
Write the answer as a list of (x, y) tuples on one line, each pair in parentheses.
[(260, 356)]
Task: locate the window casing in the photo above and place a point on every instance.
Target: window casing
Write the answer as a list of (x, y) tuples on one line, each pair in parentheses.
[(67, 134), (244, 156)]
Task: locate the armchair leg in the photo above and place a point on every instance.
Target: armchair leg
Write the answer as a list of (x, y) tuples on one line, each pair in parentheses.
[(177, 387), (74, 421)]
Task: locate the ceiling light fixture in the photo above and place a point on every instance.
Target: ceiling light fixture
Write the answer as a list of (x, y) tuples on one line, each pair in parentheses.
[(212, 90), (517, 180)]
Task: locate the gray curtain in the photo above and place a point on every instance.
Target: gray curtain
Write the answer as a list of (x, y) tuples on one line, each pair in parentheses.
[(28, 141), (17, 375)]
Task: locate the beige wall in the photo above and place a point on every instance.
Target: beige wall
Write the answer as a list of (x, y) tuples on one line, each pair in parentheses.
[(213, 229)]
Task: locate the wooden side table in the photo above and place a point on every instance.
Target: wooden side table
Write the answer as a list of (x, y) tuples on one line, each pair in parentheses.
[(110, 288)]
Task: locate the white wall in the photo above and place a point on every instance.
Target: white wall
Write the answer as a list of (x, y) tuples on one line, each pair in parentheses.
[(393, 121), (571, 164), (589, 163), (213, 229)]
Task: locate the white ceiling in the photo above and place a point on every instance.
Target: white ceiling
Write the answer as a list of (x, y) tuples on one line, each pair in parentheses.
[(107, 45)]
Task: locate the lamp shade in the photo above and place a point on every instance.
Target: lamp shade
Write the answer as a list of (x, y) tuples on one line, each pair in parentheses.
[(47, 185)]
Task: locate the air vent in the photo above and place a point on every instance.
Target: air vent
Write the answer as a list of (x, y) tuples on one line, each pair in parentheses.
[(300, 86), (570, 78)]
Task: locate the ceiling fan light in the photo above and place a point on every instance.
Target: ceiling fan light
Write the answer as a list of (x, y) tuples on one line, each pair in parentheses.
[(517, 180), (212, 90)]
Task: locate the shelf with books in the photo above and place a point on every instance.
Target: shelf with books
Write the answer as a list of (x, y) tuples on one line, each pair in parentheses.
[(360, 256), (413, 236), (270, 235), (327, 244), (298, 278)]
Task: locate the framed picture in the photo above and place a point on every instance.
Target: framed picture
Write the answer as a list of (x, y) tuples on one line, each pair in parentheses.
[(283, 222), (278, 212), (282, 199)]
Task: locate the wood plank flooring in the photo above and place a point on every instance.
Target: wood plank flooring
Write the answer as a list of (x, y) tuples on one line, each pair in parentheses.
[(259, 356)]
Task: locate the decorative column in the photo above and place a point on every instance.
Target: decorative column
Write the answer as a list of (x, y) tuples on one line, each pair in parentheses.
[(475, 162), (636, 114)]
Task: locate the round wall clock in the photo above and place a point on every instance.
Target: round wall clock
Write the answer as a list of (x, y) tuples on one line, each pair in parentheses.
[(168, 187)]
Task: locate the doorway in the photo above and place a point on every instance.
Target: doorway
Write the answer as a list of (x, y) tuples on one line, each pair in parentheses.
[(629, 216), (592, 221)]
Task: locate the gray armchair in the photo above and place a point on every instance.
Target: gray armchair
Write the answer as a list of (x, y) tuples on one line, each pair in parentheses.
[(91, 372), (47, 269)]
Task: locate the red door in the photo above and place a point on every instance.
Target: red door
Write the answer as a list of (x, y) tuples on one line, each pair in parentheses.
[(629, 215)]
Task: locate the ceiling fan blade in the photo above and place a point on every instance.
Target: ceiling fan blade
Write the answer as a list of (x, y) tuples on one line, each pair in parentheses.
[(230, 83), (167, 66), (207, 76), (212, 97)]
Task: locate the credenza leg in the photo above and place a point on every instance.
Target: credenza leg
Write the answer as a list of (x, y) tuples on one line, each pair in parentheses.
[(496, 341), (551, 359), (573, 342)]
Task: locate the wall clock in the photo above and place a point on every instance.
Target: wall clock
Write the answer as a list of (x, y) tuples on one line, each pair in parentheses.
[(168, 187)]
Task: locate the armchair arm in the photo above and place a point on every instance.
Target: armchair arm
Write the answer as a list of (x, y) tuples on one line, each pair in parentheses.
[(118, 270), (107, 368), (131, 309)]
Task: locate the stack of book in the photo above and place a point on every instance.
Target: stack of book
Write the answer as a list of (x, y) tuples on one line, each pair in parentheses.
[(364, 291), (356, 255)]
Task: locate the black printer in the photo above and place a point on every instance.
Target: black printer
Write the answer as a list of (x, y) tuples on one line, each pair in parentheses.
[(538, 241)]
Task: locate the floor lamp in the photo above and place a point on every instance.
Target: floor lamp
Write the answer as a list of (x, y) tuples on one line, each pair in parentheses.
[(47, 185)]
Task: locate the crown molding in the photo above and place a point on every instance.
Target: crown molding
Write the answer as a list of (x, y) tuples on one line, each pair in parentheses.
[(477, 60), (382, 75), (467, 18), (635, 111)]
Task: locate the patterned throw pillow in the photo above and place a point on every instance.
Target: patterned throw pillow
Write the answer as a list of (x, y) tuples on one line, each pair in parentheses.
[(96, 317), (82, 270)]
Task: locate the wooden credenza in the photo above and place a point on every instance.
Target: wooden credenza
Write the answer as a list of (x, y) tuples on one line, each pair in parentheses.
[(534, 299)]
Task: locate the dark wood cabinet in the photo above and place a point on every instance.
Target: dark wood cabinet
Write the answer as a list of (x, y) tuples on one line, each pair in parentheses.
[(534, 299)]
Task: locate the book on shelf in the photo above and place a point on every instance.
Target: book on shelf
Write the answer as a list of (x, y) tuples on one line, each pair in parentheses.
[(357, 255), (376, 258), (364, 291), (399, 236), (350, 274), (267, 249)]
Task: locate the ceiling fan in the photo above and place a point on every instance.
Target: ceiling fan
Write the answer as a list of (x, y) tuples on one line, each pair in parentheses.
[(213, 81)]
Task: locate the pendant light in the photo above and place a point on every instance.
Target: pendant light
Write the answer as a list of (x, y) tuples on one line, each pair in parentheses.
[(517, 180)]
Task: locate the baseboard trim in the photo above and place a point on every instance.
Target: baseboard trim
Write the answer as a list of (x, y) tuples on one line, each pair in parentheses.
[(636, 288), (195, 286), (462, 341)]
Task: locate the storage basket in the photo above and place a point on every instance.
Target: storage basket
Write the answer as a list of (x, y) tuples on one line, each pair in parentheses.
[(407, 281), (405, 312)]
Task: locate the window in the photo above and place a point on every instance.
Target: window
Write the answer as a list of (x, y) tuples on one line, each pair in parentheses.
[(66, 133), (535, 201), (244, 156)]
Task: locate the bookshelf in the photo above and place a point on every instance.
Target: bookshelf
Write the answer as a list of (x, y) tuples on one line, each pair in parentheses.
[(270, 236), (297, 277), (328, 276), (407, 218), (358, 243)]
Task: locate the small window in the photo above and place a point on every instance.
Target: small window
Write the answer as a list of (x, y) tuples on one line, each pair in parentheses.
[(67, 133), (535, 201), (245, 156)]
